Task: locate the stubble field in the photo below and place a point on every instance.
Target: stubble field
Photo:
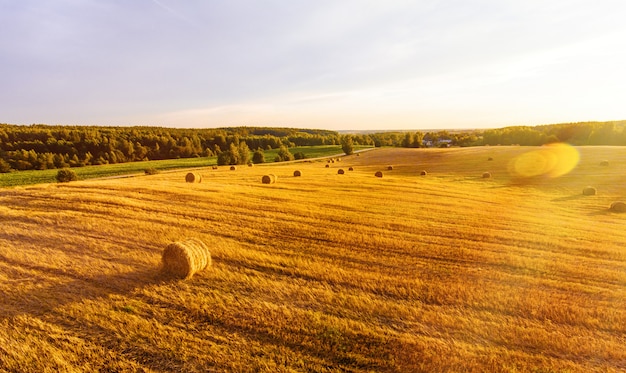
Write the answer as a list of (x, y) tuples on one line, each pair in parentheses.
[(324, 272)]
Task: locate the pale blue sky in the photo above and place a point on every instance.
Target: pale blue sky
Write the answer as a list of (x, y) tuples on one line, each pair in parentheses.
[(319, 64)]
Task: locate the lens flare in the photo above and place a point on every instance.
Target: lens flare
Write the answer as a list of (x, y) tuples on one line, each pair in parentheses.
[(551, 160)]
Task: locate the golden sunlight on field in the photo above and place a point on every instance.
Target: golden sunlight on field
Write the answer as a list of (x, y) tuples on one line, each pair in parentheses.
[(446, 271)]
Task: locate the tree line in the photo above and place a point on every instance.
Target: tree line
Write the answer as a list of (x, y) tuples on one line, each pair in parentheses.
[(47, 147)]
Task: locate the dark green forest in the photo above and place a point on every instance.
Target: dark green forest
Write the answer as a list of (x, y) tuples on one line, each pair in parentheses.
[(43, 147)]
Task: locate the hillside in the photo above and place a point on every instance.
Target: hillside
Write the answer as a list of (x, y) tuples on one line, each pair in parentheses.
[(324, 272)]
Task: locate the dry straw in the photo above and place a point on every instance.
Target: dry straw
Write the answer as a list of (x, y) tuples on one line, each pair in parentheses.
[(297, 173), (184, 258), (378, 174), (192, 177), (268, 179), (340, 171), (589, 191), (486, 175), (618, 206)]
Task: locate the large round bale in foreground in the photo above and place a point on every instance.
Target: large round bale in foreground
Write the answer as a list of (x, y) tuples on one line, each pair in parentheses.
[(340, 171), (604, 163), (184, 258), (618, 206), (193, 177), (423, 173), (378, 174), (589, 191), (297, 173), (268, 179), (486, 175)]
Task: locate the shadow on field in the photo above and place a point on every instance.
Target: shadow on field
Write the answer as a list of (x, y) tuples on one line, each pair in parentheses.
[(569, 198), (38, 290)]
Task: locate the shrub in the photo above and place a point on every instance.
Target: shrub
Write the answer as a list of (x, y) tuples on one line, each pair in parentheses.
[(66, 175), (299, 155), (258, 156), (283, 155)]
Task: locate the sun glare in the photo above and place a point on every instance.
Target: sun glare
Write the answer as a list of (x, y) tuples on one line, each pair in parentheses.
[(551, 160)]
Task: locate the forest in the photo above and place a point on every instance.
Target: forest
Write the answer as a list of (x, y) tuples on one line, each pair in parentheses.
[(40, 147)]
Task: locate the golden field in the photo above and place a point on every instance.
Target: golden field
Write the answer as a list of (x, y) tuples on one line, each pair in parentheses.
[(448, 272)]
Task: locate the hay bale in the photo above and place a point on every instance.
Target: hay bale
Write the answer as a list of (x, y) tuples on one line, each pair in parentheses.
[(268, 179), (389, 168), (604, 163), (490, 159), (193, 177), (340, 171), (618, 206), (250, 164), (214, 167), (184, 258), (297, 173), (423, 173), (358, 154), (486, 175), (327, 166), (233, 168), (589, 191), (350, 168), (338, 159), (378, 174)]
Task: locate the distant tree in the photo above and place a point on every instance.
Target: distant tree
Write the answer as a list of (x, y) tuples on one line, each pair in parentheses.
[(258, 156), (4, 166), (65, 175), (347, 144), (283, 155), (244, 153)]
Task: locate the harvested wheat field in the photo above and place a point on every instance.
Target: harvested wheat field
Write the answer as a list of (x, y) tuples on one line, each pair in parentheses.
[(325, 272)]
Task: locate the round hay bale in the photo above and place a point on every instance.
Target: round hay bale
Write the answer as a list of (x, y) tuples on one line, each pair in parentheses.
[(340, 171), (193, 177), (604, 163), (268, 179), (214, 167), (233, 168), (423, 173), (184, 258), (358, 154), (297, 173), (389, 168), (250, 164), (327, 166), (490, 159), (378, 174), (589, 191), (350, 168), (618, 206), (486, 175), (332, 161), (338, 159)]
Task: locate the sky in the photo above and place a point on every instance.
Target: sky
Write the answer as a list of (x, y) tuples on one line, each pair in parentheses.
[(330, 64)]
